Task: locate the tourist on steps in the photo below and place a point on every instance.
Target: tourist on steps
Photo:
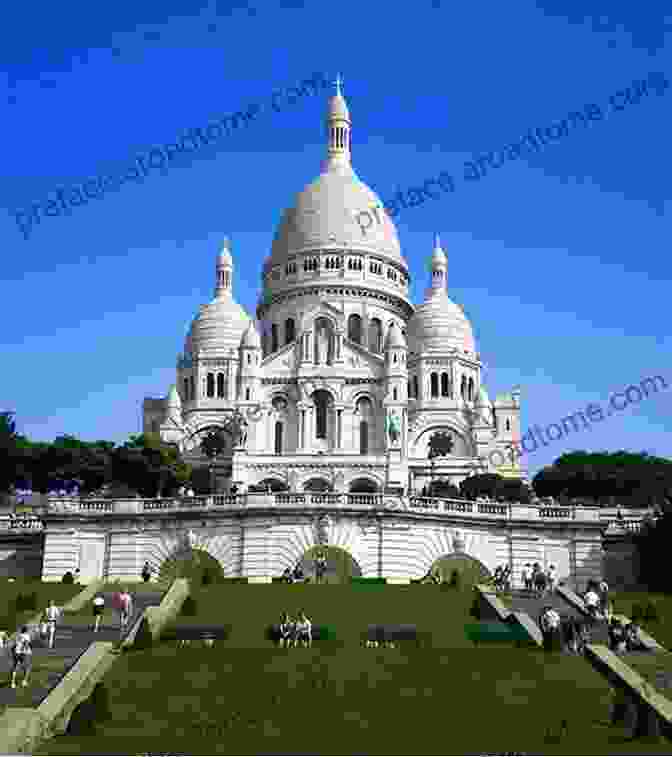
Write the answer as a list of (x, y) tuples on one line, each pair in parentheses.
[(98, 609), (549, 623), (22, 656), (526, 577), (617, 638), (125, 608), (592, 603), (304, 627), (51, 615), (285, 630)]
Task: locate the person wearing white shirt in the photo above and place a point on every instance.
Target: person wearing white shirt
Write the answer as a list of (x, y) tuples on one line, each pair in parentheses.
[(98, 609), (51, 615), (304, 630), (551, 575), (592, 601), (550, 627)]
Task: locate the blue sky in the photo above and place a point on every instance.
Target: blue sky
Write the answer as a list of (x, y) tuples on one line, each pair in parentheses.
[(560, 259)]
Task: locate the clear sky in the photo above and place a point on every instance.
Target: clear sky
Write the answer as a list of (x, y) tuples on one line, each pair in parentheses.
[(561, 258)]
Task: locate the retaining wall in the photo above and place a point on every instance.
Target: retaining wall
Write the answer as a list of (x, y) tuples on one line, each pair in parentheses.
[(490, 607)]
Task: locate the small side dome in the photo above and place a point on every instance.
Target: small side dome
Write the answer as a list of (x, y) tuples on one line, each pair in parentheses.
[(173, 397), (251, 337), (394, 337)]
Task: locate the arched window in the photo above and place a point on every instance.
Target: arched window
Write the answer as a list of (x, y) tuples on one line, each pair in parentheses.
[(444, 385), (416, 394), (193, 388), (355, 328), (289, 331), (278, 437), (186, 388), (508, 425), (375, 335), (220, 384), (363, 438), (409, 389), (321, 399), (470, 391), (395, 393), (434, 385), (247, 393), (210, 385), (463, 388), (249, 358), (274, 337)]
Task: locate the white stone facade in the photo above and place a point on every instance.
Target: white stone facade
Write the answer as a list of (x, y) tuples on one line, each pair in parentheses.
[(337, 350)]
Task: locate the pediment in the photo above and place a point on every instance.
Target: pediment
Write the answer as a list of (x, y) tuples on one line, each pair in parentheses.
[(357, 358), (322, 308), (281, 362)]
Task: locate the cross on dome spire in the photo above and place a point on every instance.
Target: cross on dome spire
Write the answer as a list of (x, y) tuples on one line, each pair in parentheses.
[(338, 127)]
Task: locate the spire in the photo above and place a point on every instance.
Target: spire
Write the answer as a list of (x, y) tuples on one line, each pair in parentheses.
[(338, 129), (439, 264), (224, 271)]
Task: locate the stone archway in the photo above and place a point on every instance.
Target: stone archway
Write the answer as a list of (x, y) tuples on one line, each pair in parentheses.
[(341, 565), (363, 486), (274, 484), (471, 570), (317, 485), (192, 563)]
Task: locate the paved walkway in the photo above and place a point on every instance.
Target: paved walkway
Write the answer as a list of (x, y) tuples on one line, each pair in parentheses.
[(71, 641)]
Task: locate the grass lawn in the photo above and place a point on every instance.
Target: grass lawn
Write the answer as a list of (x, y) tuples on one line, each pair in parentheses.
[(661, 630), (10, 620), (352, 700), (244, 696)]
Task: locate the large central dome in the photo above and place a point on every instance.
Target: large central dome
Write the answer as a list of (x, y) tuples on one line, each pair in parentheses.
[(336, 209)]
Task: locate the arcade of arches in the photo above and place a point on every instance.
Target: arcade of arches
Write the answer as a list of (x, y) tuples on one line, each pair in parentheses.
[(194, 564)]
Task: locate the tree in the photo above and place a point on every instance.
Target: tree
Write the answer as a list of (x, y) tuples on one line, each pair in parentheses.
[(631, 479), (481, 485)]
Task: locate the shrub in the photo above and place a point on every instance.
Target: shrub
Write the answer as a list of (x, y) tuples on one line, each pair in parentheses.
[(207, 577), (91, 711), (143, 638), (68, 578), (455, 580), (650, 612), (26, 602), (475, 611), (189, 607)]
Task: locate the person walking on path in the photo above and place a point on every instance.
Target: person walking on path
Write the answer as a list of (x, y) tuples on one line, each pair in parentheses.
[(125, 608), (23, 656), (551, 578), (51, 615), (98, 609)]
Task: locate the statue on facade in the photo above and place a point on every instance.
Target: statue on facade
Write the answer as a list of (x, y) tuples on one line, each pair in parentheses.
[(393, 425), (237, 427)]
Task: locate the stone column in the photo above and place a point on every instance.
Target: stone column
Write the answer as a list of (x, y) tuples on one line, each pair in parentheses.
[(339, 428), (338, 338), (309, 428)]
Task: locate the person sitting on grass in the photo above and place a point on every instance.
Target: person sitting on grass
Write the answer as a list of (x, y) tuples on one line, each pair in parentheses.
[(23, 656), (285, 631), (304, 630)]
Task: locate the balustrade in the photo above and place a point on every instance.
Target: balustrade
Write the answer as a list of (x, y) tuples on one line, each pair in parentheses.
[(513, 511)]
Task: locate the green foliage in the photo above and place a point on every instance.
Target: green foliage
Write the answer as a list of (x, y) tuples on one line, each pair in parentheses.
[(650, 612), (25, 602), (143, 637), (68, 578), (189, 607), (631, 479), (90, 712), (455, 580), (494, 486), (207, 577)]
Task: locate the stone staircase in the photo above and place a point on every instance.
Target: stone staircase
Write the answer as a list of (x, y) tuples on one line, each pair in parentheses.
[(70, 642), (523, 601)]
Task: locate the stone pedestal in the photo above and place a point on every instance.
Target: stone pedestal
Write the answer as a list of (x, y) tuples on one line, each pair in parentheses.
[(397, 468)]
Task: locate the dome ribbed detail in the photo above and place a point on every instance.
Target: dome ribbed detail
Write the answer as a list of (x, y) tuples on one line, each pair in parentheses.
[(394, 337), (251, 337), (218, 328), (439, 325)]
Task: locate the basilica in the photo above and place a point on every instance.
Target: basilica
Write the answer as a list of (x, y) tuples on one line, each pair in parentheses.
[(341, 384)]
